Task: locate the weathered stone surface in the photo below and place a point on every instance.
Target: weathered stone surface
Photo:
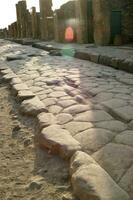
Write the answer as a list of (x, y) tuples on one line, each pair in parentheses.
[(126, 112), (36, 89), (125, 137), (50, 101), (76, 127), (57, 94), (115, 159), (101, 22), (54, 109), (32, 106), (12, 58), (3, 66), (66, 103), (131, 124), (78, 159), (6, 71), (114, 103), (58, 141), (25, 94), (75, 109), (93, 116), (8, 77), (18, 87), (63, 118), (16, 81), (79, 99), (126, 181), (46, 119), (94, 138), (42, 96), (90, 181), (113, 125), (53, 82), (94, 57)]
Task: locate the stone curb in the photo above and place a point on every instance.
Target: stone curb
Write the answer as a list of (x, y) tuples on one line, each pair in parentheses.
[(88, 179), (114, 62)]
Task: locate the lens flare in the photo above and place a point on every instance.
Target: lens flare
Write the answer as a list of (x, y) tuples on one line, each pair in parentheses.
[(69, 34)]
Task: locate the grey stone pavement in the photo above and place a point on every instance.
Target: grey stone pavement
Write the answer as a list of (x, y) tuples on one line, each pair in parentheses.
[(93, 102)]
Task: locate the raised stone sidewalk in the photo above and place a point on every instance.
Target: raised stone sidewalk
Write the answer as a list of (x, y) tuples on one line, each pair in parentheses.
[(84, 112), (118, 57)]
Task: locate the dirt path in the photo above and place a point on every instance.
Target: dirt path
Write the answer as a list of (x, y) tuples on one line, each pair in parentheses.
[(25, 171)]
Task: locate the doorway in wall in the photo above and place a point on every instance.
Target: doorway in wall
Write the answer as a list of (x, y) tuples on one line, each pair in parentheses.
[(116, 16)]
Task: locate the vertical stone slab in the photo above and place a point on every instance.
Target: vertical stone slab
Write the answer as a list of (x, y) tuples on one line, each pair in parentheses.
[(81, 21), (56, 27), (18, 21), (46, 14), (28, 25), (23, 17), (101, 17), (34, 22), (38, 25)]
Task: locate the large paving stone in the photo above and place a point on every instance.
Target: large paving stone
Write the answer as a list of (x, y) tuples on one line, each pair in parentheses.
[(63, 118), (32, 106), (131, 124), (55, 109), (25, 94), (76, 127), (78, 159), (16, 81), (58, 141), (6, 71), (125, 113), (66, 103), (115, 159), (103, 96), (113, 125), (126, 181), (75, 109), (36, 89), (93, 116), (8, 77), (46, 119), (91, 182), (57, 94), (125, 137), (114, 103), (50, 101), (18, 87), (94, 138)]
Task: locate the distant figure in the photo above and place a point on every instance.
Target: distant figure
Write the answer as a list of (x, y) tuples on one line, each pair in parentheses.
[(69, 34)]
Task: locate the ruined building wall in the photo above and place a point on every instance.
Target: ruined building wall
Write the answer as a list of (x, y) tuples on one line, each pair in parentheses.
[(46, 19), (126, 6), (21, 11), (63, 18)]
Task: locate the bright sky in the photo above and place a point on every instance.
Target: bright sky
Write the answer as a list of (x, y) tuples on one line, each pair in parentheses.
[(8, 10)]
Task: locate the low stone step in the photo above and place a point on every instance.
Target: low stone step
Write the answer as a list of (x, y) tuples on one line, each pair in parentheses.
[(58, 141)]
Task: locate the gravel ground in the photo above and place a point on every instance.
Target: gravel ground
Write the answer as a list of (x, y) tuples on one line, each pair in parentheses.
[(25, 171)]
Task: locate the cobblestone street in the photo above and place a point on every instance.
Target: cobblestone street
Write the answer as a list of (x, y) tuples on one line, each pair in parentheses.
[(87, 105)]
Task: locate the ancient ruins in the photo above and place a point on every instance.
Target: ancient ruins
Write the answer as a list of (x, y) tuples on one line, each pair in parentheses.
[(102, 22)]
